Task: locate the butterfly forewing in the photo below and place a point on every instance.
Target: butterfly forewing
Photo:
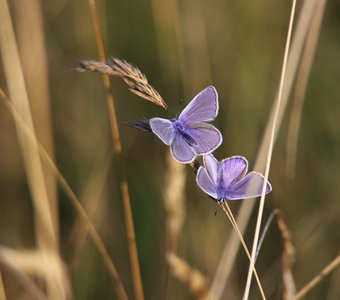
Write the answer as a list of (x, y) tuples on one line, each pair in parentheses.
[(163, 129), (203, 108), (233, 168)]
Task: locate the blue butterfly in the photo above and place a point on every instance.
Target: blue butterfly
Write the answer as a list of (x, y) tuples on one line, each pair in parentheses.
[(189, 134), (228, 179)]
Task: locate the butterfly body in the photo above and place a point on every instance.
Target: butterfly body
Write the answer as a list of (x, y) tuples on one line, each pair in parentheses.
[(181, 128)]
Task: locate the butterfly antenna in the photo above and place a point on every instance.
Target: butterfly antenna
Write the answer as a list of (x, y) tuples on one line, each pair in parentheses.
[(181, 104), (143, 125)]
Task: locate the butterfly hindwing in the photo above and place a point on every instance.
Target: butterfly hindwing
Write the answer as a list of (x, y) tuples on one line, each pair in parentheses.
[(181, 150), (249, 186), (206, 136)]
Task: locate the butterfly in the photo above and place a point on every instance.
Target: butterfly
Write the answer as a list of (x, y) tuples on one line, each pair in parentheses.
[(227, 180), (189, 135)]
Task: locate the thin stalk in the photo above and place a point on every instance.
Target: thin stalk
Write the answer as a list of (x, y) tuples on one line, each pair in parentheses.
[(329, 268), (135, 269), (301, 86), (265, 230), (45, 231), (71, 195), (25, 281), (269, 155), (44, 228), (288, 253), (2, 289), (232, 220), (232, 245)]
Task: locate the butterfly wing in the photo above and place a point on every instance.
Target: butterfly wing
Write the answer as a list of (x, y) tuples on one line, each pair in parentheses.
[(181, 150), (206, 136), (163, 128), (211, 166), (249, 186), (203, 108), (232, 169), (205, 182)]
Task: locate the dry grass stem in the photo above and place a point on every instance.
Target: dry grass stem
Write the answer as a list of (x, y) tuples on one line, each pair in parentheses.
[(174, 201), (91, 200), (174, 208), (269, 154), (132, 76), (2, 289), (41, 264), (232, 245), (334, 289), (287, 259), (329, 268), (45, 231), (192, 278), (25, 281), (44, 211), (72, 196), (232, 220), (131, 236), (33, 54), (301, 85), (265, 230)]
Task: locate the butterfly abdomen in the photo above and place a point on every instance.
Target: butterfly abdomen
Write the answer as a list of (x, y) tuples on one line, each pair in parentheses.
[(181, 129)]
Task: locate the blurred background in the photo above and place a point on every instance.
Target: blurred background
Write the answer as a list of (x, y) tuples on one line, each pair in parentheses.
[(182, 47)]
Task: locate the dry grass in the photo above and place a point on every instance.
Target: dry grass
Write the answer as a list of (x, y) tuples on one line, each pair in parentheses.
[(174, 202), (192, 278), (188, 54), (72, 197), (132, 76), (232, 245), (174, 206), (310, 285), (288, 257), (2, 289), (134, 260), (232, 220), (301, 86), (270, 152), (91, 200), (44, 206)]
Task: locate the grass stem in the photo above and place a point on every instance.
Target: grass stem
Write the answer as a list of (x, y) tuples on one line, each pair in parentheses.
[(270, 152), (72, 196), (329, 268), (232, 220), (135, 269)]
